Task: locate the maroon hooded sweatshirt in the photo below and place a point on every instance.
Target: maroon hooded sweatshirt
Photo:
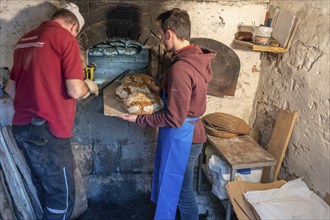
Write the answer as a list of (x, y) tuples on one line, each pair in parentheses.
[(185, 84)]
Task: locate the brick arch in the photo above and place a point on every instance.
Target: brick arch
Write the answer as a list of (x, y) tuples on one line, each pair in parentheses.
[(104, 21), (132, 21), (102, 31)]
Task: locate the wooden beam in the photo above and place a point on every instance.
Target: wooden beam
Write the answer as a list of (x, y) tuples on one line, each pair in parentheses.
[(23, 168), (281, 134), (6, 207), (15, 184)]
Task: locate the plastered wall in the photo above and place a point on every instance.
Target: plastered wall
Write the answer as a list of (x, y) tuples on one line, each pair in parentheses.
[(116, 156), (212, 19), (300, 82)]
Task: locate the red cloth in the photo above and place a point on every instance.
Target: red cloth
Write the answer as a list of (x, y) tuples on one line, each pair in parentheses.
[(186, 84), (43, 59)]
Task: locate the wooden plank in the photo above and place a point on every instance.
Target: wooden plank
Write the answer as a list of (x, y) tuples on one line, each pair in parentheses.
[(16, 187), (80, 195), (241, 152), (22, 166), (262, 48), (6, 208), (281, 134), (112, 107), (293, 33)]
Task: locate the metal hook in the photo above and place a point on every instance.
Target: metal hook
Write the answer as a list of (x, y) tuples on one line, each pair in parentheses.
[(240, 26)]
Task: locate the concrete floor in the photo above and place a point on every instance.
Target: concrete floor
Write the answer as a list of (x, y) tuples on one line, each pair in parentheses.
[(210, 208)]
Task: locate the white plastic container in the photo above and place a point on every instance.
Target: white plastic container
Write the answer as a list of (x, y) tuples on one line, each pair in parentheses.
[(262, 31), (220, 174), (262, 34)]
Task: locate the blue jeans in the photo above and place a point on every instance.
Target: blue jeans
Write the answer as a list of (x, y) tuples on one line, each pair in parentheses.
[(187, 202)]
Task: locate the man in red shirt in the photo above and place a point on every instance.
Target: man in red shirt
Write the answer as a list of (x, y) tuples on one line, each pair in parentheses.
[(181, 132), (45, 81)]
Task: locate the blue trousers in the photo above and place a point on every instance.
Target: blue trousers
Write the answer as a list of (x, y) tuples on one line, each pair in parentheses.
[(187, 202)]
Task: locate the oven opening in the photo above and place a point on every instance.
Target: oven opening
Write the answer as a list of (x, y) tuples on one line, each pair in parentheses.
[(116, 55)]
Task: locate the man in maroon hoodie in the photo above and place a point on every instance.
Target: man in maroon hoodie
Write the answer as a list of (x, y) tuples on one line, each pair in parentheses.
[(181, 132)]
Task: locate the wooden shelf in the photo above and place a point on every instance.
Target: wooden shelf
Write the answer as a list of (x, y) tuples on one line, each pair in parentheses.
[(256, 47)]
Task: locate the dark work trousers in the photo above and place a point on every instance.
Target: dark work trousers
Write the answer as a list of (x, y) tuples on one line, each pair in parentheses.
[(52, 172)]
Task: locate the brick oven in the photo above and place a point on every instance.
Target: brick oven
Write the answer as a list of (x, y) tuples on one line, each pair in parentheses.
[(130, 21), (116, 157)]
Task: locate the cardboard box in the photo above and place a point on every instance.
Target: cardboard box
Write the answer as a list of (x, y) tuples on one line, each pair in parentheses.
[(242, 207)]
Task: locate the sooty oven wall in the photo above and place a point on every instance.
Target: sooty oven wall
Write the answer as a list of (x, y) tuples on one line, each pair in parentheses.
[(115, 157)]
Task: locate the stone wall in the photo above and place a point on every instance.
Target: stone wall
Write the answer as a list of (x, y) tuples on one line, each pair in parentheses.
[(300, 82)]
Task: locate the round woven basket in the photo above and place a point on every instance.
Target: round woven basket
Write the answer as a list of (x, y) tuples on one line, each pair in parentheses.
[(226, 122), (215, 132)]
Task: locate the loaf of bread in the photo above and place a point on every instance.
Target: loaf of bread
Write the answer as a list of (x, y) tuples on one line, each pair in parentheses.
[(124, 90), (142, 103), (135, 95), (137, 78)]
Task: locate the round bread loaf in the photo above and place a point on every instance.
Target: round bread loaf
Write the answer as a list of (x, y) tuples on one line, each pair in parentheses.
[(131, 51), (137, 78), (142, 103), (111, 51), (124, 90)]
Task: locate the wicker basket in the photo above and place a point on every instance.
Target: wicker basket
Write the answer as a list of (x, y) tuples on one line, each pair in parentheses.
[(218, 133), (226, 122)]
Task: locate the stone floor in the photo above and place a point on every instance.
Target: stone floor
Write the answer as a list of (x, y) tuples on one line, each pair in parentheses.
[(210, 208)]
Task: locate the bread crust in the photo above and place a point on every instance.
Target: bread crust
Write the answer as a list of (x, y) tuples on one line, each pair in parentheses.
[(135, 96), (137, 78), (142, 103), (124, 90)]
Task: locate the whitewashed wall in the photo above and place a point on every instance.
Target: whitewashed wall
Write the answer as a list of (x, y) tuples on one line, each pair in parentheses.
[(216, 20), (300, 82), (219, 21), (16, 18)]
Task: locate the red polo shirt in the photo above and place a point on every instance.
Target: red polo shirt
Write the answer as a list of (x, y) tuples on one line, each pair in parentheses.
[(43, 59)]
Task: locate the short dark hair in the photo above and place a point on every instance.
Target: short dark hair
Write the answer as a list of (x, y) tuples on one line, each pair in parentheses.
[(176, 20), (67, 15)]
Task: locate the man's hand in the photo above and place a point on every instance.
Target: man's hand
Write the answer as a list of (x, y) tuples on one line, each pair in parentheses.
[(93, 88), (130, 118)]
